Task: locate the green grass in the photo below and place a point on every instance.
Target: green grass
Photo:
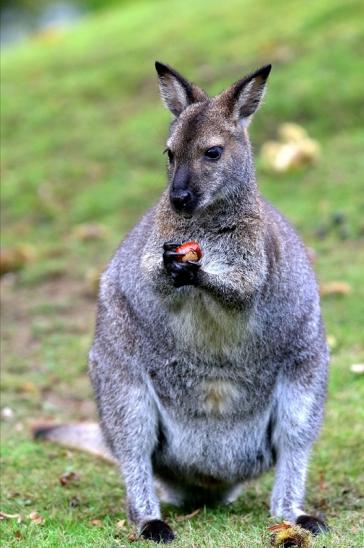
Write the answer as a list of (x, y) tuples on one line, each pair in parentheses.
[(83, 131)]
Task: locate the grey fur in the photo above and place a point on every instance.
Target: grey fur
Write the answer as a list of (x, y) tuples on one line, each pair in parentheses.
[(204, 386)]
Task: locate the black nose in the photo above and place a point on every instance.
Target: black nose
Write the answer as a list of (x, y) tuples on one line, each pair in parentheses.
[(181, 199)]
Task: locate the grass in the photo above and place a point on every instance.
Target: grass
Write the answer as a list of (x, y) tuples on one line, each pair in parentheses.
[(83, 132)]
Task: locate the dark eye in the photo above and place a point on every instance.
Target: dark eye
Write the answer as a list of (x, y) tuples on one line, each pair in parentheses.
[(213, 153), (169, 154)]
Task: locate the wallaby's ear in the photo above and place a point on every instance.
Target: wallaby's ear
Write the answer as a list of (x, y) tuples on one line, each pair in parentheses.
[(176, 92), (244, 97)]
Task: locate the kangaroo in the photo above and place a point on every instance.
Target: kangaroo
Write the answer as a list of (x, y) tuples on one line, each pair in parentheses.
[(208, 373)]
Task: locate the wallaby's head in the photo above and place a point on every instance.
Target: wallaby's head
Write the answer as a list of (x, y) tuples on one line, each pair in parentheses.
[(209, 154)]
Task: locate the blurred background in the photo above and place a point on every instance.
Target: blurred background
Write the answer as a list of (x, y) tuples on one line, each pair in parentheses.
[(83, 131)]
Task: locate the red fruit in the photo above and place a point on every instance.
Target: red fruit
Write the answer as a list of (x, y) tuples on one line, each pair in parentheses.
[(189, 251)]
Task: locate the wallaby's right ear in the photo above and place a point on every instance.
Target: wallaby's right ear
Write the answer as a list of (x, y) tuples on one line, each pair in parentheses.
[(243, 98), (176, 92)]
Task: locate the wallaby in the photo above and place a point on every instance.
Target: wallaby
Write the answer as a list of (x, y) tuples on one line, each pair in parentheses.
[(208, 373)]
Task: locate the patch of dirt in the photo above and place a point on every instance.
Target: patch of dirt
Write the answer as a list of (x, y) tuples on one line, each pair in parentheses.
[(28, 315)]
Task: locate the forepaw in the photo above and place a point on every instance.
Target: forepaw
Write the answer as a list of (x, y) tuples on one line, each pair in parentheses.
[(182, 273), (157, 531), (313, 524)]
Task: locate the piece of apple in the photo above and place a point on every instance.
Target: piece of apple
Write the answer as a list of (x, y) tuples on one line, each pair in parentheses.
[(189, 251)]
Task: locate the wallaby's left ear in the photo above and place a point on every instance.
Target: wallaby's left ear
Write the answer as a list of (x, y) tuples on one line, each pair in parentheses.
[(244, 97), (177, 93)]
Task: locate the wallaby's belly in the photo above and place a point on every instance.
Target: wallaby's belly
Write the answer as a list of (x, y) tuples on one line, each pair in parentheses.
[(206, 450)]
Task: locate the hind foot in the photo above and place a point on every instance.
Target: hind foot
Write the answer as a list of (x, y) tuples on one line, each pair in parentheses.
[(158, 531), (313, 524)]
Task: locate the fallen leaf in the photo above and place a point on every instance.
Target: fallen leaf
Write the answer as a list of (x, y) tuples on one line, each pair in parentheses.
[(4, 515), (331, 341), (90, 231), (279, 527), (68, 477), (96, 522), (286, 534), (334, 288), (16, 258), (132, 537), (188, 516), (28, 387), (18, 534), (121, 524), (291, 133), (36, 518), (294, 149), (357, 368)]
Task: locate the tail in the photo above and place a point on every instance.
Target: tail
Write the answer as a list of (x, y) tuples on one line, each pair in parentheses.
[(83, 436)]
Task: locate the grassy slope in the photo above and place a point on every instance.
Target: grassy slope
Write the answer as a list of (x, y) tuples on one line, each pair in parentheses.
[(83, 133)]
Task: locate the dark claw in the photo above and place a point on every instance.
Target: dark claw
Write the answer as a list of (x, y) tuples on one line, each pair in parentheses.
[(313, 524), (169, 256), (158, 531), (168, 246), (170, 259), (194, 265)]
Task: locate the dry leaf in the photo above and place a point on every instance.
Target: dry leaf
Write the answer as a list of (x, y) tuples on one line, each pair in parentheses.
[(357, 368), (291, 133), (4, 515), (18, 534), (36, 518), (279, 527), (294, 149), (68, 477), (121, 524), (331, 341), (188, 516), (284, 533), (90, 231), (28, 387), (334, 288), (132, 537), (13, 259), (96, 522)]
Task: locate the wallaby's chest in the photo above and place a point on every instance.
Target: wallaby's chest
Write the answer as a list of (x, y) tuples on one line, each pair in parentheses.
[(200, 324)]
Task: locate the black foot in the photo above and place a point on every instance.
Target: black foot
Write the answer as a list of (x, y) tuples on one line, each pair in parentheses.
[(158, 531), (181, 273), (313, 524)]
